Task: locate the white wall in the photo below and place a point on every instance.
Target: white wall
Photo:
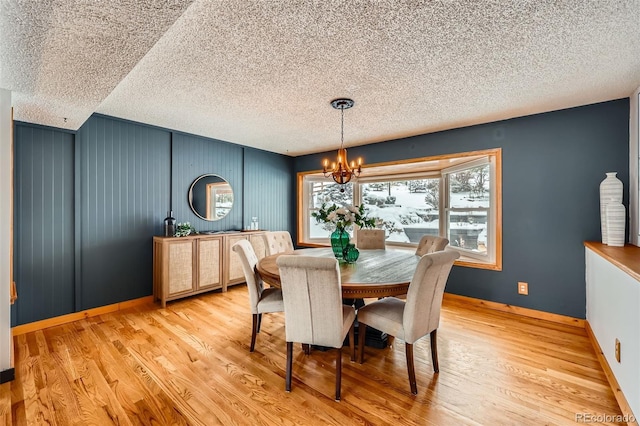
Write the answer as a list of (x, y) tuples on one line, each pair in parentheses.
[(6, 203), (613, 312)]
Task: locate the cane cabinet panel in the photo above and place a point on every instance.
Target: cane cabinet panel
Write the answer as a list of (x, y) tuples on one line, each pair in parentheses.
[(184, 266)]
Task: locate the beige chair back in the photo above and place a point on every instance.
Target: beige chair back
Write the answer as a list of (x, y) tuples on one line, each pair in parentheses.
[(431, 244), (249, 260), (312, 294), (424, 298), (370, 239), (277, 242)]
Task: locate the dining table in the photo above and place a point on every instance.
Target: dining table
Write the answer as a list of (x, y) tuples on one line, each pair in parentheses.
[(376, 273)]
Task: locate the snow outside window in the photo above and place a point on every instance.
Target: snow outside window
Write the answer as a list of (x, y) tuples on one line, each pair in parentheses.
[(468, 209), (407, 206), (319, 191), (460, 203)]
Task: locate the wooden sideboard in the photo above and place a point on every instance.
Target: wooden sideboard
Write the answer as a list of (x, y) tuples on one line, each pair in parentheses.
[(184, 266)]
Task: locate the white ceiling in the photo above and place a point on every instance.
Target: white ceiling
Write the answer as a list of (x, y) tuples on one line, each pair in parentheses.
[(262, 73)]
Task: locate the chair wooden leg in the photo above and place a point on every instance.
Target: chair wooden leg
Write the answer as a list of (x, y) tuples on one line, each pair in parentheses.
[(259, 322), (338, 373), (362, 329), (410, 368), (434, 350), (287, 386), (306, 348), (352, 342), (390, 340), (254, 329)]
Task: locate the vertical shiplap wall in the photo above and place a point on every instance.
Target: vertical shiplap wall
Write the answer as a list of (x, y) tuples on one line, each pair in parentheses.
[(194, 156), (88, 205), (269, 185), (43, 223), (123, 198)]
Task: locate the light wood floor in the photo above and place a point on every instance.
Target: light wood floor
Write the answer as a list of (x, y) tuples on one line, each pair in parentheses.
[(190, 364)]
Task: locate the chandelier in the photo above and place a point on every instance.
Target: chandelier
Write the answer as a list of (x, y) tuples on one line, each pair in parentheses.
[(341, 171)]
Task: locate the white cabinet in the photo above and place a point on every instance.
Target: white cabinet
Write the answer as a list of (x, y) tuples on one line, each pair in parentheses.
[(613, 312)]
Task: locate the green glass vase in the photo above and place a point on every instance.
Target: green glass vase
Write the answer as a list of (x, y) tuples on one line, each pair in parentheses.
[(351, 253), (339, 242)]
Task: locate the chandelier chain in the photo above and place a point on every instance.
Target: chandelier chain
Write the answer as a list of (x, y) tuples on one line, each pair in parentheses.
[(342, 127), (341, 171)]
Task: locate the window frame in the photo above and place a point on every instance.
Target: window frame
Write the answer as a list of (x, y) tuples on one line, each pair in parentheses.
[(304, 209), (491, 262)]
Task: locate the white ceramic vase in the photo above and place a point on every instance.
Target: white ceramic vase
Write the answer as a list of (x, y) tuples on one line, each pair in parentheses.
[(615, 218), (610, 192)]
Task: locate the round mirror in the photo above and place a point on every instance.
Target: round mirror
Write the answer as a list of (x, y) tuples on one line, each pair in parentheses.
[(210, 197)]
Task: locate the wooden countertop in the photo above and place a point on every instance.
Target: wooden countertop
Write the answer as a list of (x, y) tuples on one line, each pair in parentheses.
[(626, 258)]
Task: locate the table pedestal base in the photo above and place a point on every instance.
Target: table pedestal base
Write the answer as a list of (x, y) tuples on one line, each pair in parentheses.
[(374, 338)]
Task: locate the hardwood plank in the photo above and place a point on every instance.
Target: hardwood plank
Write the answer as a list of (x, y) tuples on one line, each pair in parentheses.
[(562, 319), (5, 404), (68, 318), (189, 363)]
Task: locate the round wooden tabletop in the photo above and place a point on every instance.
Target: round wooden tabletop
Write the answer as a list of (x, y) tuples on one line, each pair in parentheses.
[(376, 273)]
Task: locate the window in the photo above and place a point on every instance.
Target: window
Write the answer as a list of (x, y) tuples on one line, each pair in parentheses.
[(317, 191), (407, 206), (468, 208), (456, 196)]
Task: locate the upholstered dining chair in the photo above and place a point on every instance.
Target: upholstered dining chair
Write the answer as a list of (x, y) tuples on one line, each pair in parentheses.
[(415, 318), (370, 239), (431, 244), (261, 300), (277, 242), (313, 309)]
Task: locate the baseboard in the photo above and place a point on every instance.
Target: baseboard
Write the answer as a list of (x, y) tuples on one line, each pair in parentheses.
[(615, 386), (64, 319), (503, 307), (7, 375)]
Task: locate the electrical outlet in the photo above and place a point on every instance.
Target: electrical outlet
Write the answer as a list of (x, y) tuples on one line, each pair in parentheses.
[(617, 350), (523, 288)]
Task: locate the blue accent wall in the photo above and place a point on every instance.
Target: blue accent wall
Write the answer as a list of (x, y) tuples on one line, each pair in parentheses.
[(123, 199), (43, 223), (88, 204), (270, 180), (194, 156), (552, 166)]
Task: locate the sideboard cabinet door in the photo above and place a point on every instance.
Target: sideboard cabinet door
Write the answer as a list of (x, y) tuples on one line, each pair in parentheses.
[(233, 272), (209, 263), (173, 269), (184, 266)]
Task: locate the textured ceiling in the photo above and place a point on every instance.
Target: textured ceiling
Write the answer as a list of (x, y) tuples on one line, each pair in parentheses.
[(262, 73), (61, 59)]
